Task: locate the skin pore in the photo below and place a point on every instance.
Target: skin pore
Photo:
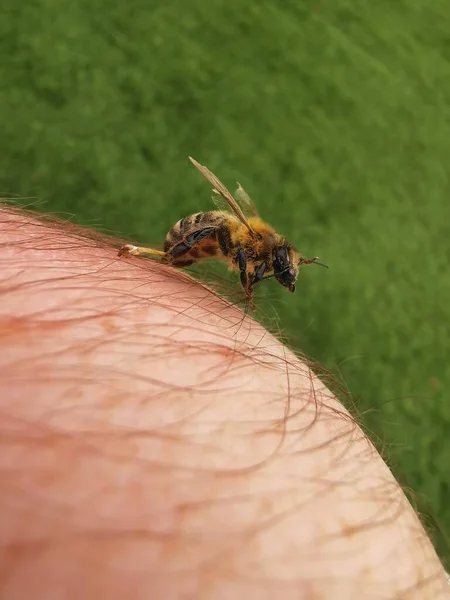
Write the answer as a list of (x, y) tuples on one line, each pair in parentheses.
[(157, 443)]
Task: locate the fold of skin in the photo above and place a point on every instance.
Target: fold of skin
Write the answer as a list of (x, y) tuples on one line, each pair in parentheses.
[(158, 443)]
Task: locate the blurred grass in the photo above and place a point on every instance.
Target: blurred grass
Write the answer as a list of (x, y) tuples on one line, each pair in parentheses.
[(334, 117)]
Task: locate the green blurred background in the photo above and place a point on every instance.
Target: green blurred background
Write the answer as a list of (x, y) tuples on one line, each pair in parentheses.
[(336, 119)]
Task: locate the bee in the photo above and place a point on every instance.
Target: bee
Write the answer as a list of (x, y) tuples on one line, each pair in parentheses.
[(235, 234)]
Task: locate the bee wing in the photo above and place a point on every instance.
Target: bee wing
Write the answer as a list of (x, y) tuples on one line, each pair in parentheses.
[(245, 202), (220, 202), (242, 198), (220, 190)]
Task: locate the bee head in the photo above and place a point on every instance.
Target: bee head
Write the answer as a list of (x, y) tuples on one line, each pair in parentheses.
[(284, 270)]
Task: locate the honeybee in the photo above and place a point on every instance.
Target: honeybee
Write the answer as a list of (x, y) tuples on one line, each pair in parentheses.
[(235, 234)]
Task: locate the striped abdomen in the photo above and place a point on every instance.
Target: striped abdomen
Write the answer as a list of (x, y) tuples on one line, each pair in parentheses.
[(199, 236)]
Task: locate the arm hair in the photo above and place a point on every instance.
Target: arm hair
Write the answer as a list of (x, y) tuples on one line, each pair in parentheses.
[(156, 442)]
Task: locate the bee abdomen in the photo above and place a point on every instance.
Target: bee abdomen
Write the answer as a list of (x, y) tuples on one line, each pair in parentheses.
[(193, 238), (187, 225)]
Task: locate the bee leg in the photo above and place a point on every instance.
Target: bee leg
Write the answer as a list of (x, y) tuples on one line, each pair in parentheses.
[(255, 277), (259, 273), (130, 250), (246, 281), (242, 263)]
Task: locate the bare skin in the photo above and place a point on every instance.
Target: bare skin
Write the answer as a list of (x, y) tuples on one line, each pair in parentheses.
[(156, 443)]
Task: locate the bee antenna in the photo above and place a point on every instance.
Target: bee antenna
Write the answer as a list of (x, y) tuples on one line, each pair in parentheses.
[(311, 261)]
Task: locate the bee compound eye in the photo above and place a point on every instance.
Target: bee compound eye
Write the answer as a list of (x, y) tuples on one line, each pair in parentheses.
[(280, 256)]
